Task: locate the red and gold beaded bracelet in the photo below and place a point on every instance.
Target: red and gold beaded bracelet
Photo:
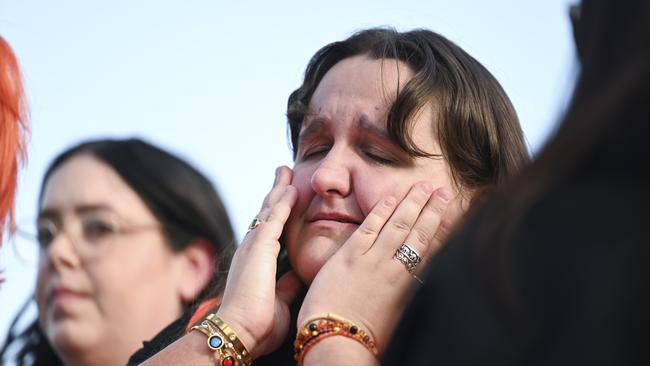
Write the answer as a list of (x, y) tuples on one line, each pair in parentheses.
[(320, 327)]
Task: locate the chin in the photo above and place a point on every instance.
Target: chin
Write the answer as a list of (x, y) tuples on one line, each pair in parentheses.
[(70, 336)]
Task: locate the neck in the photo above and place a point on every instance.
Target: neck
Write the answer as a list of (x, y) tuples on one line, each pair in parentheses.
[(98, 356)]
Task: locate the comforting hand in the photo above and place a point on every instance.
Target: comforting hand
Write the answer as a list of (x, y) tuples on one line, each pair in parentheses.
[(362, 282), (253, 304)]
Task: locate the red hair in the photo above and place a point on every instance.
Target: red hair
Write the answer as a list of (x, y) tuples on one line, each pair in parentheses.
[(13, 133)]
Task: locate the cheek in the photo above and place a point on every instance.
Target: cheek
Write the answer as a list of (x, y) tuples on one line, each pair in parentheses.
[(124, 276), (384, 185), (41, 280), (302, 182)]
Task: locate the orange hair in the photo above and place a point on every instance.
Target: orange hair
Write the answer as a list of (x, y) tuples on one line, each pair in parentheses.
[(13, 133)]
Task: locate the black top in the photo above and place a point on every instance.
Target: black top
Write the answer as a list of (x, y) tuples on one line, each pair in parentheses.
[(283, 356)]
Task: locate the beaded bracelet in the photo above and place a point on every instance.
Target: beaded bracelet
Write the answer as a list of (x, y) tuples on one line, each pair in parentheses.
[(318, 328), (224, 342)]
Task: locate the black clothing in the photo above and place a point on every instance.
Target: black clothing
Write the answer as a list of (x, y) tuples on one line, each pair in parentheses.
[(569, 285), (282, 356), (163, 339)]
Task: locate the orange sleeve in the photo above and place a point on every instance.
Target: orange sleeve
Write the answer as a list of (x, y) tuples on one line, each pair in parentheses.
[(202, 311)]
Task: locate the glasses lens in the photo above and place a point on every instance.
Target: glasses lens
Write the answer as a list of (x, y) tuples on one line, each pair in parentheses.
[(98, 229), (25, 242), (46, 231)]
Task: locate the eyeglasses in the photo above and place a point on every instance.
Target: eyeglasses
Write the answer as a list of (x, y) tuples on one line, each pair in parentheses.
[(90, 233)]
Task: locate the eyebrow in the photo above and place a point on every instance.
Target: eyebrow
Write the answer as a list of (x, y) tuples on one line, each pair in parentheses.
[(363, 124), (53, 212), (313, 129)]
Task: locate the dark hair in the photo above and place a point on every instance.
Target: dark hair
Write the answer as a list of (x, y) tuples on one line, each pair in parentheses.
[(478, 129), (604, 135), (179, 196), (607, 107)]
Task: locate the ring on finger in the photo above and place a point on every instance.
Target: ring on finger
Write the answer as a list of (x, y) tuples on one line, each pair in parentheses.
[(255, 223), (409, 257)]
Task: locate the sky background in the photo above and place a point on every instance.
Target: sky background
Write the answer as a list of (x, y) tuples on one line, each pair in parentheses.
[(209, 80)]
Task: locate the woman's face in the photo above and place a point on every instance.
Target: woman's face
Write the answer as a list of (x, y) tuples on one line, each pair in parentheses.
[(346, 162), (106, 281)]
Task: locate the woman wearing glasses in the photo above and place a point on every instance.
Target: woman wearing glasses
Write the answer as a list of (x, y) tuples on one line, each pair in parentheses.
[(129, 236)]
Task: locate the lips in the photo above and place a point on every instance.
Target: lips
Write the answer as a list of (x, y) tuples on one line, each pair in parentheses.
[(60, 294), (333, 216)]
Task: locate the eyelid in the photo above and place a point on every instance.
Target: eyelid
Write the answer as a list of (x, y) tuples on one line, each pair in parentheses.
[(312, 150), (381, 155)]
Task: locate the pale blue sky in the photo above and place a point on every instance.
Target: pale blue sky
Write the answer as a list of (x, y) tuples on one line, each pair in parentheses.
[(209, 79)]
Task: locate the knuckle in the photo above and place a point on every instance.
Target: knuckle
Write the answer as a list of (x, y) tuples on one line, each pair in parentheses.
[(266, 203), (349, 262), (367, 231), (423, 235), (440, 236), (401, 226), (437, 207), (270, 217)]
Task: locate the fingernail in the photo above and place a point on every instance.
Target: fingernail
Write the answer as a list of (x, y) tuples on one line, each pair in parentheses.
[(444, 194)]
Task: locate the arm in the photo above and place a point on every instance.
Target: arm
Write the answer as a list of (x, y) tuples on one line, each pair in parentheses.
[(253, 304)]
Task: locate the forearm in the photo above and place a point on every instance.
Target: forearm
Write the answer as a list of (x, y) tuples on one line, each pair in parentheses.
[(190, 349)]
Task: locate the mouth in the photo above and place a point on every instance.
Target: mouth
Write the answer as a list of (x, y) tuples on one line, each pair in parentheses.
[(333, 217), (60, 295)]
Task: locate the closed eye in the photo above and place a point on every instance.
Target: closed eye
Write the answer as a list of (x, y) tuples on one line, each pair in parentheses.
[(313, 152), (374, 155)]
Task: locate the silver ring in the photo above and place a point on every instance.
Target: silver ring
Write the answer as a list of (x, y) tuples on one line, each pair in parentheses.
[(409, 257), (255, 223)]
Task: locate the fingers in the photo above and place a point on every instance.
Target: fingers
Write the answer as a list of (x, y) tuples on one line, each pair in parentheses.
[(401, 223), (429, 232), (276, 216), (419, 221), (366, 234), (282, 179)]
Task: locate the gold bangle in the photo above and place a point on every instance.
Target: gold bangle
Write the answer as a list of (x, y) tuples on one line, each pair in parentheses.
[(233, 341), (217, 343)]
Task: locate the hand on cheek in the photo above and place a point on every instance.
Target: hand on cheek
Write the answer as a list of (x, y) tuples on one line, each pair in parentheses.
[(362, 281), (252, 305)]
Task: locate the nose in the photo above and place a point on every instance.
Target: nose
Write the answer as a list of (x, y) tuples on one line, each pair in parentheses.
[(61, 252), (332, 177)]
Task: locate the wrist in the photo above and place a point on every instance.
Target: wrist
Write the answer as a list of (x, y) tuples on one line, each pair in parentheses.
[(319, 328), (224, 340), (339, 351)]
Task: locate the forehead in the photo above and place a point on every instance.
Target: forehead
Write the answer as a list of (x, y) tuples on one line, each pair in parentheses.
[(359, 84), (359, 91), (84, 180)]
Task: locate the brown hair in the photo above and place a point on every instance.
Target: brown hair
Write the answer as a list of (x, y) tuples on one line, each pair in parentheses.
[(478, 129)]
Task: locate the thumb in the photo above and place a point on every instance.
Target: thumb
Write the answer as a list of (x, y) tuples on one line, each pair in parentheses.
[(288, 287)]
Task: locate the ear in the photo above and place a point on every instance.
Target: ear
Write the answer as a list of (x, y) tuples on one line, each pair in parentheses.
[(196, 268)]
